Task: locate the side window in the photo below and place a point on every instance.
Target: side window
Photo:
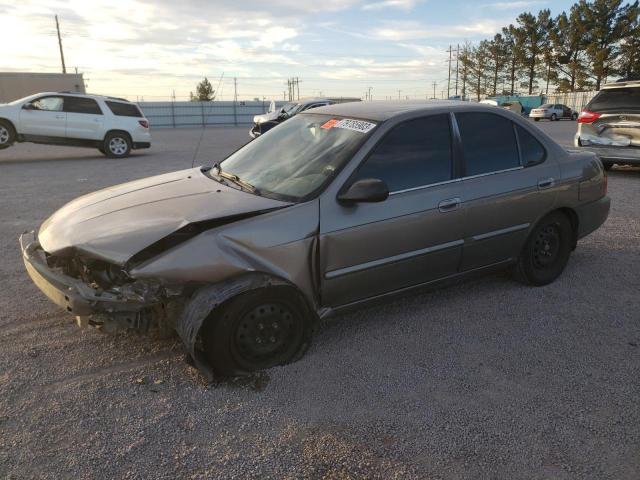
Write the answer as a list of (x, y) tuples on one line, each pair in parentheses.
[(531, 151), (415, 153), (488, 142), (81, 105), (124, 109), (51, 104)]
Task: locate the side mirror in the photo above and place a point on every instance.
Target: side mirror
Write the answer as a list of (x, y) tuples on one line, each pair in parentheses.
[(368, 190)]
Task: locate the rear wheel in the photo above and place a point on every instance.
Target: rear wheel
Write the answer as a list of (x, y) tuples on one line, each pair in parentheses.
[(554, 117), (7, 134), (117, 145), (574, 116), (257, 330), (546, 251), (536, 119)]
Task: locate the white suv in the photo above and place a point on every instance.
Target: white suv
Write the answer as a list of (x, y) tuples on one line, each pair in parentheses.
[(112, 125)]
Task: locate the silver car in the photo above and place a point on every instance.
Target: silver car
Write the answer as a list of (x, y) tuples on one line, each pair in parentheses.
[(334, 209), (553, 112), (610, 124)]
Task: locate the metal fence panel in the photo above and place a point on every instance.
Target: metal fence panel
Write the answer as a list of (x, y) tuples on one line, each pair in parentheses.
[(200, 114), (575, 100)]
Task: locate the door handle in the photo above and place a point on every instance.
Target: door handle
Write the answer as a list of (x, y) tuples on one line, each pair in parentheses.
[(60, 117), (449, 205), (546, 183)]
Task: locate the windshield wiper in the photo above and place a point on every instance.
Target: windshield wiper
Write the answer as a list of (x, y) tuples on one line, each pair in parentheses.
[(235, 179)]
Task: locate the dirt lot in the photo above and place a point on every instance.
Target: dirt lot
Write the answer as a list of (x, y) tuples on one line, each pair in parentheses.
[(487, 379)]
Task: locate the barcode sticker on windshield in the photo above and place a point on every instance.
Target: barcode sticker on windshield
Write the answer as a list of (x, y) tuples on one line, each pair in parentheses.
[(355, 125)]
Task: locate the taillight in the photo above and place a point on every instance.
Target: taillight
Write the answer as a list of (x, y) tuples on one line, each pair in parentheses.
[(144, 123), (588, 117)]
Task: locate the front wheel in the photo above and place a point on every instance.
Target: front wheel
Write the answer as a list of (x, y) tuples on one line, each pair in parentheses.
[(536, 119), (256, 330), (554, 117), (546, 252), (117, 145)]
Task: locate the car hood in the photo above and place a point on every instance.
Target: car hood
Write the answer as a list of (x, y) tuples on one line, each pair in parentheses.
[(116, 223), (266, 117)]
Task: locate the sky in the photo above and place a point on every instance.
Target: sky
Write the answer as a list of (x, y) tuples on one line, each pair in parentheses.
[(151, 50)]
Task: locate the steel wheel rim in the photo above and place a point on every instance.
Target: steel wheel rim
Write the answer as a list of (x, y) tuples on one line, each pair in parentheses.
[(4, 135), (266, 334), (118, 146), (546, 247)]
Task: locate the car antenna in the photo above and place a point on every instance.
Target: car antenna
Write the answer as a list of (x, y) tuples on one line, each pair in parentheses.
[(195, 154)]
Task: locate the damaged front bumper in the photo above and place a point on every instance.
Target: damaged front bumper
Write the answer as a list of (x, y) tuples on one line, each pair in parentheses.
[(90, 305)]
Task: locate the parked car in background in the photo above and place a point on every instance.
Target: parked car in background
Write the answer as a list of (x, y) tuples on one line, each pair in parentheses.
[(275, 116), (112, 125), (553, 111), (263, 123), (335, 208), (610, 124)]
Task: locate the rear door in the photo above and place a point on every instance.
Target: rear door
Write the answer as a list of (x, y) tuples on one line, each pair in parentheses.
[(85, 119), (44, 117), (509, 183), (414, 236)]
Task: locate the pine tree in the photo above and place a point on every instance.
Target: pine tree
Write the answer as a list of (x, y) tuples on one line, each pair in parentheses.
[(204, 92)]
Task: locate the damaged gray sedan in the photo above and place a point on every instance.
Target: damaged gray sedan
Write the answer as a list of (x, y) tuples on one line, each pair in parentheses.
[(331, 210)]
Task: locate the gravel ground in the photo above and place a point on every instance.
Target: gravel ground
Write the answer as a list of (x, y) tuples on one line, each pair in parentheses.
[(486, 379)]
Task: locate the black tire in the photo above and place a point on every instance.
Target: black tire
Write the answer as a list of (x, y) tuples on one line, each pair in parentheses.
[(117, 145), (554, 117), (102, 150), (546, 252), (574, 116), (7, 134), (536, 119), (256, 330), (607, 165)]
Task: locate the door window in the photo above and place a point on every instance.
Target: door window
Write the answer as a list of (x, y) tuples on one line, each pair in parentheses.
[(531, 151), (81, 105), (51, 104), (488, 143), (415, 153)]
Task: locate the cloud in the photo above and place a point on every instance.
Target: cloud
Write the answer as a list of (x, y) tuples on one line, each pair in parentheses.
[(401, 4), (399, 31), (516, 4)]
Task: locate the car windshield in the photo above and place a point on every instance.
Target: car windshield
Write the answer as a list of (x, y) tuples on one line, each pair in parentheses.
[(546, 105), (290, 108), (297, 158), (616, 100)]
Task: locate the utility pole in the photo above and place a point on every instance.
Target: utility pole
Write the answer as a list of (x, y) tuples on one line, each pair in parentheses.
[(449, 78), (435, 84), (457, 69), (235, 101), (64, 68), (298, 87), (399, 94), (370, 88)]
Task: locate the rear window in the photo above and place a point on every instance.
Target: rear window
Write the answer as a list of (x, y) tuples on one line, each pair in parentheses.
[(124, 109), (616, 100)]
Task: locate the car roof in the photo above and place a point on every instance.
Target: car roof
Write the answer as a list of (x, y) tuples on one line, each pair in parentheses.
[(382, 110), (84, 95), (621, 84)]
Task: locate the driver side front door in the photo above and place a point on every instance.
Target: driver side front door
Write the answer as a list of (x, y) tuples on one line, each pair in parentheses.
[(414, 236), (44, 117)]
